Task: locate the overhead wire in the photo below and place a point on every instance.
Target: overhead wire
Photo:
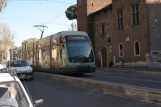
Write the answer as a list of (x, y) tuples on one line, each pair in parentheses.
[(62, 2), (54, 18), (20, 19), (47, 22)]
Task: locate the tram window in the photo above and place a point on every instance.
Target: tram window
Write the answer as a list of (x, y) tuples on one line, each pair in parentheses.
[(61, 53), (63, 45)]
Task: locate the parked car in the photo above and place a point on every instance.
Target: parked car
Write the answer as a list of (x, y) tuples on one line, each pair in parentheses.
[(2, 67), (13, 93), (22, 69)]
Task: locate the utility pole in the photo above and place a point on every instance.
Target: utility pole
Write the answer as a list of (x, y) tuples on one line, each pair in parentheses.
[(41, 28)]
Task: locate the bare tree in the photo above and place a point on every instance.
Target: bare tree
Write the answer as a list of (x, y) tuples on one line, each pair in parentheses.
[(6, 41), (6, 33), (3, 3)]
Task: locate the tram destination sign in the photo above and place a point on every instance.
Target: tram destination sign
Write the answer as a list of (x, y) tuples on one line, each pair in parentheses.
[(77, 38)]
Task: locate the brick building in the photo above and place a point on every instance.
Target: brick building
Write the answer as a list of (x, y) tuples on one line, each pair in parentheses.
[(132, 25)]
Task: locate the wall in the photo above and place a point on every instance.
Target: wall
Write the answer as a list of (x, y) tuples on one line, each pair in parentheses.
[(95, 5), (99, 39), (154, 7), (129, 31), (85, 8)]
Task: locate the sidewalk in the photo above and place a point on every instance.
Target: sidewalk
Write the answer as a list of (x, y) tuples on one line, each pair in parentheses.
[(148, 71)]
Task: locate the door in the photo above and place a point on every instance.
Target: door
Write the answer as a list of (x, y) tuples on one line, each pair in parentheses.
[(62, 55), (62, 51), (104, 57)]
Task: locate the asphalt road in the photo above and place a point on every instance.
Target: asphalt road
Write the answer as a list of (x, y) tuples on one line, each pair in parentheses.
[(57, 94), (126, 78)]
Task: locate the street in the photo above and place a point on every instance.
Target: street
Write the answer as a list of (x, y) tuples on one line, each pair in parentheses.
[(57, 94), (126, 78)]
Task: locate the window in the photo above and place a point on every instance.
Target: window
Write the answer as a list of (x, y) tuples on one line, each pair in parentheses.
[(92, 4), (103, 29), (135, 13), (121, 53), (12, 95), (79, 51), (17, 63), (136, 48), (120, 18), (61, 53)]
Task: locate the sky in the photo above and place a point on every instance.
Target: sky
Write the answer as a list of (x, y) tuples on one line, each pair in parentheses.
[(22, 15)]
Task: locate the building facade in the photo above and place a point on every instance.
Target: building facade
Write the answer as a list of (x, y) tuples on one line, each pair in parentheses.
[(13, 53), (132, 27), (5, 51)]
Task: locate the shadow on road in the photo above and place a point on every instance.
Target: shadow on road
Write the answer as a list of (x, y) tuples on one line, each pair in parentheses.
[(78, 75)]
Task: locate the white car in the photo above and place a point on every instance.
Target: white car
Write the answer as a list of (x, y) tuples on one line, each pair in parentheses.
[(2, 66), (13, 93), (22, 69)]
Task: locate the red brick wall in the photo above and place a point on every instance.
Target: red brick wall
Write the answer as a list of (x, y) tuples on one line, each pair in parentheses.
[(82, 15), (99, 39), (85, 8), (138, 32)]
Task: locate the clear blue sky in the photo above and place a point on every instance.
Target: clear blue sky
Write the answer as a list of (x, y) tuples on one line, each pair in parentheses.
[(21, 15)]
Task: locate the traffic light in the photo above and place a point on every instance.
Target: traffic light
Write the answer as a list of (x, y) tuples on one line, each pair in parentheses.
[(109, 41)]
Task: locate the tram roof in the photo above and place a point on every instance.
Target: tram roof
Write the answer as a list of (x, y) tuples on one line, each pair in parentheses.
[(64, 33)]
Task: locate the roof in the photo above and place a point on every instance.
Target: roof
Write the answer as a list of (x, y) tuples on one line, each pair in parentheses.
[(5, 77), (72, 33), (64, 33), (104, 9)]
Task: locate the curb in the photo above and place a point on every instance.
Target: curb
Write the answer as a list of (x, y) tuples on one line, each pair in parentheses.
[(153, 73), (141, 93)]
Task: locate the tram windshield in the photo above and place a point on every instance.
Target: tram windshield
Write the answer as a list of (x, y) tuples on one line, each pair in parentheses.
[(79, 49)]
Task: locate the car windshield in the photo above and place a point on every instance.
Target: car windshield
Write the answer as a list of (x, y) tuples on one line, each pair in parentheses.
[(11, 95), (79, 49), (18, 63)]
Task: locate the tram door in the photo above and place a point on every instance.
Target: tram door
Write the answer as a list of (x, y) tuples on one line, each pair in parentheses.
[(62, 51)]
